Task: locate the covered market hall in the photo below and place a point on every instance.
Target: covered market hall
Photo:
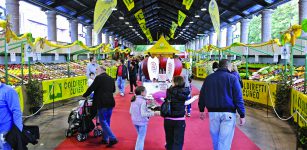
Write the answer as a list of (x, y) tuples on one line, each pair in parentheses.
[(153, 74)]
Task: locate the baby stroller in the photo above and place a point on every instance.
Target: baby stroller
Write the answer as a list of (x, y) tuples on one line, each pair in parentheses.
[(80, 120)]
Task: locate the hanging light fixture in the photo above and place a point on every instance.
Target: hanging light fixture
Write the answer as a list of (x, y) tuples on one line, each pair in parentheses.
[(197, 16), (203, 9)]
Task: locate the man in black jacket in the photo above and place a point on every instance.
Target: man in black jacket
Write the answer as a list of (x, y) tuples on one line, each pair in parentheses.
[(104, 87)]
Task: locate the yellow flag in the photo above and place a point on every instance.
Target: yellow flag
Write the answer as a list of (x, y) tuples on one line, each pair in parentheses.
[(103, 10), (187, 3), (129, 4), (173, 29), (215, 17), (181, 17), (139, 16)]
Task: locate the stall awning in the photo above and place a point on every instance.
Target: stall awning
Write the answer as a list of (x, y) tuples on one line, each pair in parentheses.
[(162, 47)]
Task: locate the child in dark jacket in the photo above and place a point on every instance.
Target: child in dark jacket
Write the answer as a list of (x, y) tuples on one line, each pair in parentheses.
[(140, 115)]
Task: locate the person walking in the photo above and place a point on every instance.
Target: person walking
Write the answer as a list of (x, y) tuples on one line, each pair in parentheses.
[(235, 72), (215, 66), (132, 76), (140, 115), (10, 113), (91, 67), (104, 87), (174, 125), (121, 76), (222, 96)]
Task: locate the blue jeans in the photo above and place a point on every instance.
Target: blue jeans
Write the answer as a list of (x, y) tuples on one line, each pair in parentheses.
[(105, 120), (188, 108), (4, 145), (141, 130), (121, 84), (222, 128)]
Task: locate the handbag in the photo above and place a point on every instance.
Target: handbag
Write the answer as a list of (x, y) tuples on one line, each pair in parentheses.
[(166, 108)]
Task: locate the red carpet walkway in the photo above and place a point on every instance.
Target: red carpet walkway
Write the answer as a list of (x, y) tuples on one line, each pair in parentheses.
[(197, 136)]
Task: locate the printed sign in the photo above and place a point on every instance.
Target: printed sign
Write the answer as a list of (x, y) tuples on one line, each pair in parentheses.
[(299, 103), (255, 91), (285, 52), (153, 68), (170, 68), (234, 57), (102, 12), (61, 89), (13, 57)]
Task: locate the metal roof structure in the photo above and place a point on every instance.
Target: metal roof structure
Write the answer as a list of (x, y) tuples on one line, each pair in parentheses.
[(159, 15)]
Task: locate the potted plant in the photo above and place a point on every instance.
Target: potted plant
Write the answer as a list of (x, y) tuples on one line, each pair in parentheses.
[(34, 95), (282, 95), (302, 136)]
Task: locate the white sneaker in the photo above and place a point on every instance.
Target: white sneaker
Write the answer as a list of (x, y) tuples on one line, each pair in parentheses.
[(121, 94)]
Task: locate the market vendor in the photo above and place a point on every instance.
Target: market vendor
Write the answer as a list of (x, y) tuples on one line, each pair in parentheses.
[(91, 67)]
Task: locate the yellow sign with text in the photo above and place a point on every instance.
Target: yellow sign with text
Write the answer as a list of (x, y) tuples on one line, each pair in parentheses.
[(299, 103), (187, 3), (173, 29), (18, 89), (129, 4), (255, 91), (215, 17), (181, 17), (103, 10), (61, 89)]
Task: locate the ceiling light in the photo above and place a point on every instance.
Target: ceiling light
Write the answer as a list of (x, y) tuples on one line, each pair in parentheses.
[(131, 26), (126, 22), (197, 16), (187, 26), (183, 29), (191, 22), (121, 18), (114, 9), (203, 9), (133, 29)]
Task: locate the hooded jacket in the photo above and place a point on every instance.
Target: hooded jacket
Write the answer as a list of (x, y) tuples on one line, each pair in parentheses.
[(177, 96)]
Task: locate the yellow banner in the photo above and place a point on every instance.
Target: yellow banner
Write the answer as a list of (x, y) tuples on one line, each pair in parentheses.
[(181, 17), (299, 103), (129, 4), (255, 91), (103, 10), (61, 89), (187, 3), (18, 89), (173, 29), (215, 17), (139, 16)]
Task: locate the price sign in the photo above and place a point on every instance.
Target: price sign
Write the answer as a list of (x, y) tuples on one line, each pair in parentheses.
[(88, 55), (285, 52), (34, 57), (13, 57), (256, 58), (56, 56), (234, 57)]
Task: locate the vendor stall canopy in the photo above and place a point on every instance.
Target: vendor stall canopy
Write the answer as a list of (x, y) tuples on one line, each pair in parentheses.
[(159, 15)]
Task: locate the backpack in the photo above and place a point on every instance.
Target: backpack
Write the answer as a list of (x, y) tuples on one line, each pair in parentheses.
[(166, 110)]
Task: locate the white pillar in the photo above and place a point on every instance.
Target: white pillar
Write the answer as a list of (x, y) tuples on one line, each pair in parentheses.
[(73, 30), (99, 38), (51, 25), (211, 34), (206, 40), (244, 30), (266, 25), (229, 35), (89, 36), (302, 4), (219, 42), (197, 43), (12, 7), (112, 40), (106, 37)]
